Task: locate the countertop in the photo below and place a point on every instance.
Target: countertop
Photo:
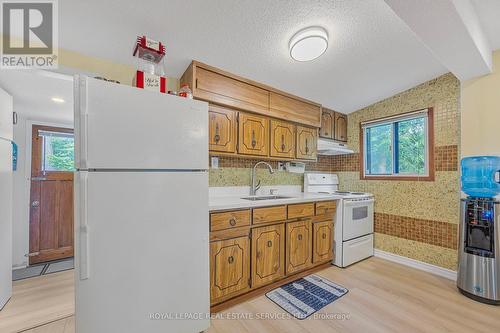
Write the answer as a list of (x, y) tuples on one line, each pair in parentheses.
[(235, 202)]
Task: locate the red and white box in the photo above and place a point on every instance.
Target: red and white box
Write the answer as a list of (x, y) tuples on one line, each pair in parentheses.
[(150, 82)]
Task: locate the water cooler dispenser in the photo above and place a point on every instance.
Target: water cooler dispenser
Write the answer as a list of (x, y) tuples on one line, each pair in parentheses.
[(479, 247)]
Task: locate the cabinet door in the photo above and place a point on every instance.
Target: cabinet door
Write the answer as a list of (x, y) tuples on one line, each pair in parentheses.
[(307, 138), (225, 90), (298, 246), (268, 254), (322, 241), (222, 129), (294, 109), (282, 139), (340, 127), (229, 268), (327, 124), (253, 135)]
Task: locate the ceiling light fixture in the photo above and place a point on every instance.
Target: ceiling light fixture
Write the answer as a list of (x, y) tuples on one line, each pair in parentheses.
[(57, 100), (308, 44)]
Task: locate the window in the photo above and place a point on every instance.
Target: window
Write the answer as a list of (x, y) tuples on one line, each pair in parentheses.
[(58, 151), (398, 147)]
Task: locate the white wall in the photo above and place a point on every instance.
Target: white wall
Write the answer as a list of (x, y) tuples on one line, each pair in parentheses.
[(21, 181)]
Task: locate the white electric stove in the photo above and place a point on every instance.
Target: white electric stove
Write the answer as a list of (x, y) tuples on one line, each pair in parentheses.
[(353, 240)]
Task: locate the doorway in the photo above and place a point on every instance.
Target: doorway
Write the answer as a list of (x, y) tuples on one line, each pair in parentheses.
[(51, 194)]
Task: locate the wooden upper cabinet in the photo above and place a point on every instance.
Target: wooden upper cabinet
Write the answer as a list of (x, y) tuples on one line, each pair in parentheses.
[(253, 134), (307, 139), (216, 86), (293, 109), (229, 268), (222, 129), (298, 246), (322, 241), (327, 129), (282, 139), (268, 254), (340, 127)]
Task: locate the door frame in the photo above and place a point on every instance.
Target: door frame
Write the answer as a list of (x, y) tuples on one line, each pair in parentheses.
[(27, 179)]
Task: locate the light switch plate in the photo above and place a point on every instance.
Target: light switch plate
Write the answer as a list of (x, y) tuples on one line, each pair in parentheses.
[(214, 162)]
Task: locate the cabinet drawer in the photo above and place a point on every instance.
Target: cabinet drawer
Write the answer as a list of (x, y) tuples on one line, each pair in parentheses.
[(269, 214), (226, 220), (325, 207), (300, 210)]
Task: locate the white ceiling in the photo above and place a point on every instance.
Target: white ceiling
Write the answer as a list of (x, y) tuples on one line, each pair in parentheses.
[(372, 54), (488, 12), (32, 92)]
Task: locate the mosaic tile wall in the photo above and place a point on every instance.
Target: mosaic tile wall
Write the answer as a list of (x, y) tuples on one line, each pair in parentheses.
[(416, 219)]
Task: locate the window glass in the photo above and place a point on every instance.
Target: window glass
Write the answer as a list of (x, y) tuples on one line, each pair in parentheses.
[(58, 151), (411, 146), (378, 150)]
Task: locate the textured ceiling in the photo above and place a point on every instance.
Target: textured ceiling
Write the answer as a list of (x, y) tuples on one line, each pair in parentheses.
[(488, 12), (372, 54)]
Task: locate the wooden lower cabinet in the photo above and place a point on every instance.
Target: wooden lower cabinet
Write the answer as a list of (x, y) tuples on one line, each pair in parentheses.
[(229, 268), (322, 241), (298, 246), (268, 254)]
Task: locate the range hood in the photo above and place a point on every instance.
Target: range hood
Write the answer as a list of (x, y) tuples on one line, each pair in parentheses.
[(328, 147)]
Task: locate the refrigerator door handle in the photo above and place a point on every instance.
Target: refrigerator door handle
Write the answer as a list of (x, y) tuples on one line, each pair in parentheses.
[(84, 229)]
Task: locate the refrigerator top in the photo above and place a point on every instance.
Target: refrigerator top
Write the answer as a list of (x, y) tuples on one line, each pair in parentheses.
[(119, 127)]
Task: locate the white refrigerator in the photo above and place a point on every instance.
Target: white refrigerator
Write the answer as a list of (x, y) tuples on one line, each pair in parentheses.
[(141, 210), (6, 135)]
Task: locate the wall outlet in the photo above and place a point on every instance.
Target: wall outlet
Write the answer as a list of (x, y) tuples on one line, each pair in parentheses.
[(214, 162)]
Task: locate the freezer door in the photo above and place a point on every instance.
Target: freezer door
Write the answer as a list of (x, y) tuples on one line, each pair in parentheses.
[(5, 221), (123, 127), (6, 128), (141, 251)]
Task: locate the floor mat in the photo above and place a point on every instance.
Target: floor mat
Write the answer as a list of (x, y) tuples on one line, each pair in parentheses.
[(303, 297), (42, 269)]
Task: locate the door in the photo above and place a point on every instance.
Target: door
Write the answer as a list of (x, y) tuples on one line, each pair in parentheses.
[(322, 241), (282, 139), (340, 127), (142, 245), (327, 124), (298, 246), (358, 218), (222, 129), (122, 127), (268, 259), (51, 197), (253, 135), (229, 268), (307, 138)]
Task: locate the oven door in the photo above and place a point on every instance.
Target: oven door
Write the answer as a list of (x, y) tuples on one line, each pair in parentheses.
[(357, 218)]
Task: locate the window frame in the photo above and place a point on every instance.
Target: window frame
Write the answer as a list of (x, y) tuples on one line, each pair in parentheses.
[(429, 147)]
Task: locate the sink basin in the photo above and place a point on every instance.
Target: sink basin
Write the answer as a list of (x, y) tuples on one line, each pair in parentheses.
[(266, 197)]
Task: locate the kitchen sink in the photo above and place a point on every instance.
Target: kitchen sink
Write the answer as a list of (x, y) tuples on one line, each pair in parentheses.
[(266, 197)]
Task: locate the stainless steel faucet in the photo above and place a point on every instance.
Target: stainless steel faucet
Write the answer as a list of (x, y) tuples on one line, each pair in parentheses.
[(254, 186)]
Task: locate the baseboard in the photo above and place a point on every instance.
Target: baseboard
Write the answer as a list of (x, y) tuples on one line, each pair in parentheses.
[(444, 272)]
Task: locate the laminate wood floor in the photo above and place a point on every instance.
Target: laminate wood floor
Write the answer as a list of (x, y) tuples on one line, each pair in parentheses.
[(383, 297)]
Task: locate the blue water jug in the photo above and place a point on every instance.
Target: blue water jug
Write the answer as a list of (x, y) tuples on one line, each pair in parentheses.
[(481, 176)]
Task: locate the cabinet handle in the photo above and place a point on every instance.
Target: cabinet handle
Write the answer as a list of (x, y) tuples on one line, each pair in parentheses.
[(254, 142), (283, 143), (299, 237), (217, 136), (35, 204), (230, 259), (269, 243), (232, 221), (323, 236), (307, 146)]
